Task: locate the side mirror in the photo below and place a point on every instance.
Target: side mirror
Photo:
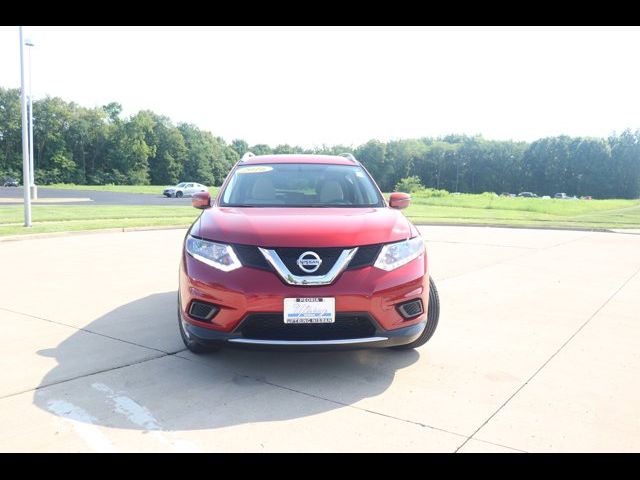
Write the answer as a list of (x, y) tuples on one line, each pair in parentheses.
[(399, 200), (201, 200)]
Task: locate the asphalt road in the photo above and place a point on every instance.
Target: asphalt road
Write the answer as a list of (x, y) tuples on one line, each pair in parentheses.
[(90, 197), (537, 350)]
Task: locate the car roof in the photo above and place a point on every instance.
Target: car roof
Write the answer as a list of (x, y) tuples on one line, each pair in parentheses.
[(298, 158)]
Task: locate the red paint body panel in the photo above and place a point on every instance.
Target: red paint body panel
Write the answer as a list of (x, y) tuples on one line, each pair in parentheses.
[(399, 200), (302, 227)]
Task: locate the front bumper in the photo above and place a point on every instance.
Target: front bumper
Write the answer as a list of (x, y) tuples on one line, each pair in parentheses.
[(380, 339), (247, 291)]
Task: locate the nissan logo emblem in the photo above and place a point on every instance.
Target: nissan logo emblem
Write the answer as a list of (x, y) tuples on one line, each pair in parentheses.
[(309, 262)]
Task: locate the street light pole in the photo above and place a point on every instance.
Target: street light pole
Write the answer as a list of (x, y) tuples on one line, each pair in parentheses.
[(33, 190), (26, 182)]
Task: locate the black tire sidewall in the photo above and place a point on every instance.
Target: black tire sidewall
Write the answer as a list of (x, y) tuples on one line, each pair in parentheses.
[(433, 315)]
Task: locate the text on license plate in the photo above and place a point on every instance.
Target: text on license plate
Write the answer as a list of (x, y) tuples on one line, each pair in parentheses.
[(310, 310)]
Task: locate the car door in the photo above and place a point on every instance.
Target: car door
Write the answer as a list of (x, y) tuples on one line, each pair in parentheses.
[(188, 189)]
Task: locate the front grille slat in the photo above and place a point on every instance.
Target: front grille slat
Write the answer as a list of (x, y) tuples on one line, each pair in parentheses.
[(365, 256), (271, 326), (250, 256)]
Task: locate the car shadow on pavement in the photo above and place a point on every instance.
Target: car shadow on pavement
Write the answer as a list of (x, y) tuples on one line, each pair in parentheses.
[(124, 384)]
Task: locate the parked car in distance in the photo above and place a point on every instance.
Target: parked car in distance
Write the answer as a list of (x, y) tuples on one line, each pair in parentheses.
[(586, 197), (507, 194), (10, 182), (562, 196), (546, 197), (184, 189), (527, 195)]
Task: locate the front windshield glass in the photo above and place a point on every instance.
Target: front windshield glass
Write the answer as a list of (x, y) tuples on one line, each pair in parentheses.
[(301, 185), (181, 184)]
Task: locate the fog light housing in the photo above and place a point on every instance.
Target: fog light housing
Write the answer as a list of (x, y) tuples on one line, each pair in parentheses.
[(202, 311), (411, 309)]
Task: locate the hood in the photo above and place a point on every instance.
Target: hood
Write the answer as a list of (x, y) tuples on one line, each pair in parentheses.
[(303, 227)]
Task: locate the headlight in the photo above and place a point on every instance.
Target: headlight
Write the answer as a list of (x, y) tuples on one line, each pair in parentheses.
[(218, 255), (394, 255)]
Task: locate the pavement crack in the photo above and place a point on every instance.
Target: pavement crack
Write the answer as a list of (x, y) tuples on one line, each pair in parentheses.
[(564, 242), (84, 375), (498, 445), (86, 330), (553, 355), (335, 402), (528, 251), (373, 412)]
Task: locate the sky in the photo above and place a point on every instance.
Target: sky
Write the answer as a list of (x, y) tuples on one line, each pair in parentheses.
[(310, 86)]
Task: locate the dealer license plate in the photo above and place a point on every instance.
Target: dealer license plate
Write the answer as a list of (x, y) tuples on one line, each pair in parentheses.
[(309, 310)]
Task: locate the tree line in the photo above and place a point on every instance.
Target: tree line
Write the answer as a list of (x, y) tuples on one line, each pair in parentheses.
[(75, 144)]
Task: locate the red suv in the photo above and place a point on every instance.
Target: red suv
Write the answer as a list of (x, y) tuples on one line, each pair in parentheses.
[(303, 251)]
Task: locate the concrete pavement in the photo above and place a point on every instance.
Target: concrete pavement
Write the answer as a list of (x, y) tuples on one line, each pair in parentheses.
[(537, 350)]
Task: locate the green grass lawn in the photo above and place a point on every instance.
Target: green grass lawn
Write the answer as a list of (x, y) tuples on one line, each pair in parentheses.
[(149, 189), (452, 209), (485, 209), (61, 218)]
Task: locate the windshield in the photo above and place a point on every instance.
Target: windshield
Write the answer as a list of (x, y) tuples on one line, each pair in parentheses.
[(181, 184), (301, 185)]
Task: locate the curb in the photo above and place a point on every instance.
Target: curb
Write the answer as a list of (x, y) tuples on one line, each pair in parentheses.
[(521, 227), (37, 236)]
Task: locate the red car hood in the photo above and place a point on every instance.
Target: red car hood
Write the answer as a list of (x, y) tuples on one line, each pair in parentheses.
[(303, 227)]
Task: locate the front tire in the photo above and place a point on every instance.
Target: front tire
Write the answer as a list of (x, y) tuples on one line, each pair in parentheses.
[(179, 194), (433, 315), (190, 343)]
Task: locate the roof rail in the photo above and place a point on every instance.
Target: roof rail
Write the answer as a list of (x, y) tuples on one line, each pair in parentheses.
[(247, 156), (348, 156)]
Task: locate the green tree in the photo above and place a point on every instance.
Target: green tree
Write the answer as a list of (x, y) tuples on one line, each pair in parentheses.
[(128, 153), (261, 149), (113, 111), (207, 159), (373, 156), (51, 122), (169, 150), (97, 145), (240, 146), (10, 132), (625, 152), (409, 185)]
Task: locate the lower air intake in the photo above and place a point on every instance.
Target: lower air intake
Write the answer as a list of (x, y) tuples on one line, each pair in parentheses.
[(202, 310), (411, 309), (271, 326)]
